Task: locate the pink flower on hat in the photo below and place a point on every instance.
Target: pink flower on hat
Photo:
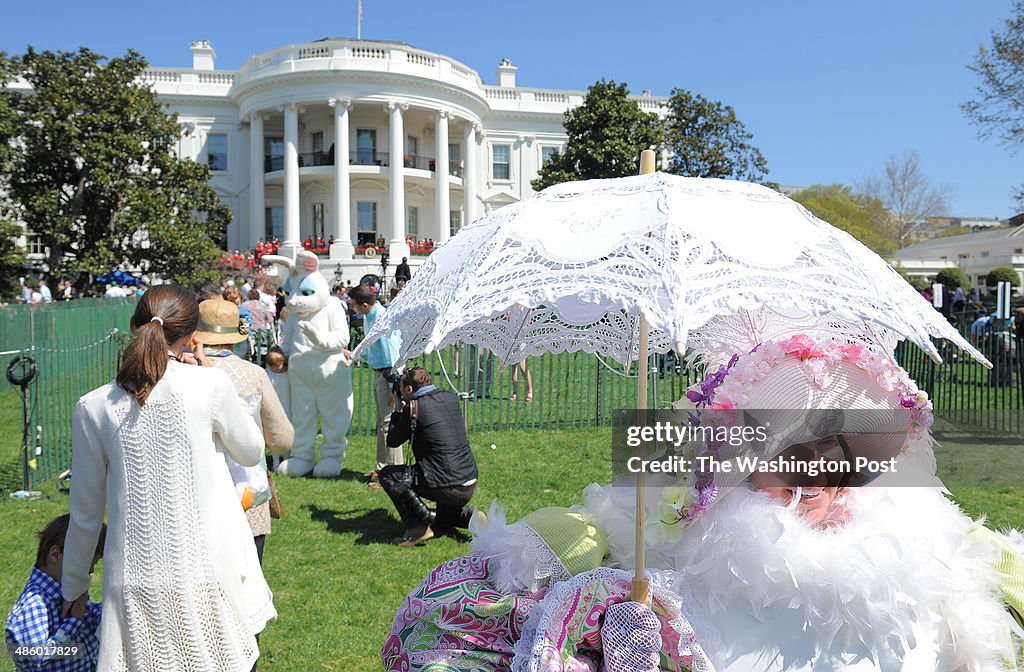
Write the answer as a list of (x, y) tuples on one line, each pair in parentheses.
[(801, 345), (817, 371), (852, 352)]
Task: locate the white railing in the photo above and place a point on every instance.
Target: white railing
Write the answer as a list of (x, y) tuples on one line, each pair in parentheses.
[(216, 78), (369, 52), (420, 59), (353, 54), (550, 97), (498, 93), (161, 76), (318, 51), (650, 104)]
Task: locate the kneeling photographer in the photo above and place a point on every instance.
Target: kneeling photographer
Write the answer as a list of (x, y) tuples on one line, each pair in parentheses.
[(445, 470)]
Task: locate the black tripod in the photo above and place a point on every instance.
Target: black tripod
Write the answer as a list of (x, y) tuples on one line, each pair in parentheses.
[(21, 372), (384, 272)]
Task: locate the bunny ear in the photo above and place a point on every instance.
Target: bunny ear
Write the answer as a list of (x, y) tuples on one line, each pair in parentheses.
[(268, 259), (310, 262)]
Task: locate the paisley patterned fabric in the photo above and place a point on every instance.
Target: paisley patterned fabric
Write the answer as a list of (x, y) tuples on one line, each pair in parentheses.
[(457, 621)]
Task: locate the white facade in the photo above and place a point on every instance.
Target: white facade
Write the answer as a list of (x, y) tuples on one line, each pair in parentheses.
[(361, 140), (976, 254)]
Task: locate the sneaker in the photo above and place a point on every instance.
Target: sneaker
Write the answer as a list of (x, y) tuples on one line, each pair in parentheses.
[(477, 521), (415, 535)]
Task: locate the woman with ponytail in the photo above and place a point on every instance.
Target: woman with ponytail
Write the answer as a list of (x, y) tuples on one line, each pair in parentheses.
[(182, 587)]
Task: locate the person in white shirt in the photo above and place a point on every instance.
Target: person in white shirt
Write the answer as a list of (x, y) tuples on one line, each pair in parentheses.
[(44, 291)]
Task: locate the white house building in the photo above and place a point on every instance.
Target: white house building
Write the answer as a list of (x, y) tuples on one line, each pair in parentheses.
[(361, 140)]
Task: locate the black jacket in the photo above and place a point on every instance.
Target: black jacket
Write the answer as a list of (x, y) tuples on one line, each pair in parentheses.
[(403, 272), (443, 456)]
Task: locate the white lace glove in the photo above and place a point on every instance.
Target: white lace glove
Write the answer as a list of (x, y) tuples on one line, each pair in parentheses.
[(630, 638)]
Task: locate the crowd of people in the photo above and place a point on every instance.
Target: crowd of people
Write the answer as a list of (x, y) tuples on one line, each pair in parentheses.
[(37, 291), (190, 414)]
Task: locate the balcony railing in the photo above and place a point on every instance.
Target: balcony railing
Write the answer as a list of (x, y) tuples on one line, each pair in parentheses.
[(361, 157), (368, 157)]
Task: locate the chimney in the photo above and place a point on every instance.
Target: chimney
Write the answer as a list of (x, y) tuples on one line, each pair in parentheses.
[(507, 74), (203, 55)]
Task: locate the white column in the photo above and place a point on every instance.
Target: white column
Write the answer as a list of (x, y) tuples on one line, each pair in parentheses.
[(397, 247), (344, 246), (257, 207), (469, 178), (441, 176), (291, 243)]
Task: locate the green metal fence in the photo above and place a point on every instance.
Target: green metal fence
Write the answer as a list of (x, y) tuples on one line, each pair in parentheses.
[(77, 346), (965, 393)]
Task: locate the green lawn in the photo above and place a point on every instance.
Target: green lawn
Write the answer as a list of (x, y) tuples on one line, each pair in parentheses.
[(338, 581)]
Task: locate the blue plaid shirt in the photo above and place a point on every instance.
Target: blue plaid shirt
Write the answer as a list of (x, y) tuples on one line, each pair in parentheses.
[(35, 621)]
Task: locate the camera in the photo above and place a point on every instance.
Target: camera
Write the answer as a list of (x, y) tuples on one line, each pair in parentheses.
[(394, 378)]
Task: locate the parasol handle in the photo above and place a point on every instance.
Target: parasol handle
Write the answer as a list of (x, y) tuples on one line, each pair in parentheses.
[(641, 588), (647, 162)]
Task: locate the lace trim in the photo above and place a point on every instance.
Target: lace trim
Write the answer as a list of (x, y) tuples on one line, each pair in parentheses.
[(518, 558)]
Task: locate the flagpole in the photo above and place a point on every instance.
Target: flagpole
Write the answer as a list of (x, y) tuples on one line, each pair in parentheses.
[(359, 20)]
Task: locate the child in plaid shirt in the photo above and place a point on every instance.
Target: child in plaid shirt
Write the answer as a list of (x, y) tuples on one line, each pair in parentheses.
[(38, 639)]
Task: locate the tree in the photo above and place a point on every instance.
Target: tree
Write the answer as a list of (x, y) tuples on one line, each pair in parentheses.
[(1002, 274), (863, 217), (998, 106), (706, 139), (12, 257), (908, 195), (96, 175), (953, 277), (606, 135)]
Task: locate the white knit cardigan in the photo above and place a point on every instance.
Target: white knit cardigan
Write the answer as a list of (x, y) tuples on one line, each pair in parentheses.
[(182, 586)]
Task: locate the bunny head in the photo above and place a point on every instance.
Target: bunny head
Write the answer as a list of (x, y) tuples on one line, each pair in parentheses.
[(307, 288)]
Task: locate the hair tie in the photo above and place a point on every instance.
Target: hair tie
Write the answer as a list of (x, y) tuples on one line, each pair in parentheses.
[(157, 318)]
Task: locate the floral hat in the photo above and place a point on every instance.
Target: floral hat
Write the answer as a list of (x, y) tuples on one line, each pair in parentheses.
[(800, 379)]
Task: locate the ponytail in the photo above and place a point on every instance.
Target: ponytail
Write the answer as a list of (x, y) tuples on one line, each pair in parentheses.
[(165, 315)]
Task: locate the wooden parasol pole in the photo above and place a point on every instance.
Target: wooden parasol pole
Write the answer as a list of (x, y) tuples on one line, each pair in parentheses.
[(641, 587)]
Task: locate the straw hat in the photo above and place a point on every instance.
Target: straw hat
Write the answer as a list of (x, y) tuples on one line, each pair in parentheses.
[(219, 323)]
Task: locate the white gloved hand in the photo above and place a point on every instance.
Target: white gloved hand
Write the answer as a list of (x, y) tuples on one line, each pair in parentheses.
[(311, 332), (630, 638)]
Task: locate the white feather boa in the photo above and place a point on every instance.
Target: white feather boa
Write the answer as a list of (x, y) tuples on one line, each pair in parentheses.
[(898, 587)]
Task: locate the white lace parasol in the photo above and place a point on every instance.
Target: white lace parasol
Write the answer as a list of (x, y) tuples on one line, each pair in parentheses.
[(571, 269)]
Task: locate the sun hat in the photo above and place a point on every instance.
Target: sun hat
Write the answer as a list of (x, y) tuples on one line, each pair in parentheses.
[(571, 537), (219, 323), (806, 390), (547, 545)]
